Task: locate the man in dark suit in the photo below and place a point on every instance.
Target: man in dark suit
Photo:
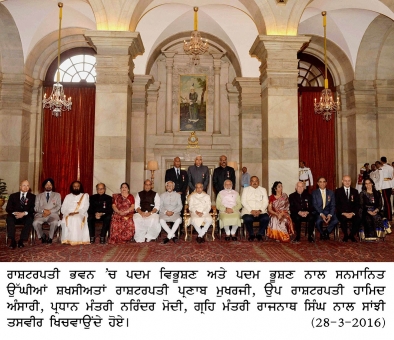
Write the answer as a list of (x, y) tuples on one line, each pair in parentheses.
[(179, 177), (301, 209), (100, 209), (198, 173), (323, 201), (20, 209), (222, 173), (347, 204)]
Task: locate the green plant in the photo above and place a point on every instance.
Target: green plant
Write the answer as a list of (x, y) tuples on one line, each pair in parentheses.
[(3, 189)]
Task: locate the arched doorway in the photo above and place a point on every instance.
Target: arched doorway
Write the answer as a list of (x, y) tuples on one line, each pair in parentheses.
[(68, 141), (316, 136)]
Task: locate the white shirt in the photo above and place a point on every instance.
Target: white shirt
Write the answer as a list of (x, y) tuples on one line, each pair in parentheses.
[(387, 176), (254, 199)]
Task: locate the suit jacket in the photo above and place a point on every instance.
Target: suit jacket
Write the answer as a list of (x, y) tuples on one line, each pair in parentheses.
[(100, 204), (301, 202), (181, 183), (14, 204), (317, 202), (345, 205), (221, 174), (198, 175), (54, 203)]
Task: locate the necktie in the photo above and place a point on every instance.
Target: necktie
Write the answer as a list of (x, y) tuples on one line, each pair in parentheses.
[(23, 200), (323, 196), (47, 197), (347, 193), (177, 173)]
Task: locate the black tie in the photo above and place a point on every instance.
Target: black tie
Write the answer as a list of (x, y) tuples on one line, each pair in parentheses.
[(23, 200), (177, 173), (347, 193), (47, 197)]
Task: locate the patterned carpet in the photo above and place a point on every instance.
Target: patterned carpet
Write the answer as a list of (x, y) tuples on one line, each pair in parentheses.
[(216, 251)]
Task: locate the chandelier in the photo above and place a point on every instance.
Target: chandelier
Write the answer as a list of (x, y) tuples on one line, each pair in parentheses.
[(326, 107), (57, 101), (196, 45)]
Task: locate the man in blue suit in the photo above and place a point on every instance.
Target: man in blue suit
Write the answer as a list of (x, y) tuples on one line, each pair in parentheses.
[(323, 201)]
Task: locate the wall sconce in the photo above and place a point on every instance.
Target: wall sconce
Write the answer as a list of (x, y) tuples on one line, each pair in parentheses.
[(233, 165), (152, 166)]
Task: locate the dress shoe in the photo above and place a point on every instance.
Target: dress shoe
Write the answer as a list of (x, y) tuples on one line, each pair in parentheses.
[(102, 240), (13, 244), (20, 244), (166, 240), (326, 235), (92, 239), (352, 238), (234, 238), (199, 239), (44, 238), (202, 239), (251, 238), (175, 239), (310, 239), (259, 237), (227, 238), (345, 239), (49, 241), (295, 241)]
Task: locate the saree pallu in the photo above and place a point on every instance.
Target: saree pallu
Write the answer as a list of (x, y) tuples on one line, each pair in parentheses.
[(280, 229)]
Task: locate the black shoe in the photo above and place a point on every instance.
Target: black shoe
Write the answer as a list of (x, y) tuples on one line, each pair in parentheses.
[(227, 238), (49, 241), (166, 240), (259, 237), (44, 238), (102, 240), (345, 239), (20, 244), (199, 239), (310, 239), (13, 244), (202, 239), (234, 238), (326, 235), (251, 238), (175, 239), (92, 239), (352, 238)]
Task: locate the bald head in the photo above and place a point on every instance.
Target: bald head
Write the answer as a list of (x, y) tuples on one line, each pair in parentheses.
[(300, 187), (24, 186), (346, 181)]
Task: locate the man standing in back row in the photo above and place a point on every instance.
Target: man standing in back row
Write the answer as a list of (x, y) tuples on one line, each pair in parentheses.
[(221, 174), (305, 175), (198, 173)]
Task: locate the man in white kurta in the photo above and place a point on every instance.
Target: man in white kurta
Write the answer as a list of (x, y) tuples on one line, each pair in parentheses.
[(75, 216), (199, 207), (146, 219), (255, 202), (229, 203), (170, 211)]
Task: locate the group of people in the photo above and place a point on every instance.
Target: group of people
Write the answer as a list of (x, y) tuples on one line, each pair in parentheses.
[(125, 217)]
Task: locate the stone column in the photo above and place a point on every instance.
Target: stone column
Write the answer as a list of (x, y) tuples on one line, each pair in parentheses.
[(216, 113), (250, 137), (136, 136), (115, 53), (169, 69), (279, 101)]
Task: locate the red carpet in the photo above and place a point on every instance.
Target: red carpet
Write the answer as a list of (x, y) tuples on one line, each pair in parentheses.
[(216, 251)]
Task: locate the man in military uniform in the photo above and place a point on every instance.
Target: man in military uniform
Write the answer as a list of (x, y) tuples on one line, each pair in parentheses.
[(305, 175)]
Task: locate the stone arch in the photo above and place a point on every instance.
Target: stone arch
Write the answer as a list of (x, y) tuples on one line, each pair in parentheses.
[(43, 53), (11, 52), (337, 60), (295, 15), (371, 48), (178, 38)]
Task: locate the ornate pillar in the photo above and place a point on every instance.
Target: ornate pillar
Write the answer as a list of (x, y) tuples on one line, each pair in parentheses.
[(249, 101), (169, 69), (216, 112), (279, 106), (115, 53)]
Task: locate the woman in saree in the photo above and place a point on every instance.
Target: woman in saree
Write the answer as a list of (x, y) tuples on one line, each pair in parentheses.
[(280, 226), (370, 208), (122, 224)]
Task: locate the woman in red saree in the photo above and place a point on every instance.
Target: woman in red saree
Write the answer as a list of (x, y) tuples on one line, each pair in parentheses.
[(280, 226), (122, 224)]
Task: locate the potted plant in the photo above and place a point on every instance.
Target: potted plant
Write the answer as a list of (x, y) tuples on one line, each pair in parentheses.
[(3, 192)]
